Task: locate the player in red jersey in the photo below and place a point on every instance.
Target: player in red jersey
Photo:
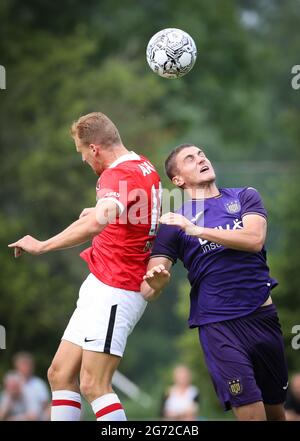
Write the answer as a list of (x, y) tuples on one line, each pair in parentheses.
[(123, 226)]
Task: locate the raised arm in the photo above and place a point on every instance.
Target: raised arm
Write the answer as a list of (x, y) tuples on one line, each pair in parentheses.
[(249, 238), (75, 234), (156, 278)]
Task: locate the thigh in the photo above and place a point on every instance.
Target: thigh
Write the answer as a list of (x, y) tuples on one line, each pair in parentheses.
[(229, 364), (250, 412), (110, 317), (269, 361), (98, 367), (275, 412), (67, 360), (75, 331)]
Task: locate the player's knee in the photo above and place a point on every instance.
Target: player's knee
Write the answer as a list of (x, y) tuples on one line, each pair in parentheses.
[(53, 375), (91, 388), (88, 389), (254, 417), (58, 379), (251, 412)]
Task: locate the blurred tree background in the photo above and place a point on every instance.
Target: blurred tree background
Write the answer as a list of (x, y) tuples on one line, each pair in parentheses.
[(67, 58)]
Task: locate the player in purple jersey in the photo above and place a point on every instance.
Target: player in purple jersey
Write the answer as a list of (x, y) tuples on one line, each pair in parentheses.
[(219, 235)]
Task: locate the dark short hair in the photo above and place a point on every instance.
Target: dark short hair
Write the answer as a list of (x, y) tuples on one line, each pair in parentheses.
[(170, 162)]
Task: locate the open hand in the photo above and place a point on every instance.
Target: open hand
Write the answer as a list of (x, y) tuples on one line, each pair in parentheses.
[(182, 222), (157, 277)]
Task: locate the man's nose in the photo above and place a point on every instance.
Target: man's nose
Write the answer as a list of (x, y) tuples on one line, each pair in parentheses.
[(201, 159)]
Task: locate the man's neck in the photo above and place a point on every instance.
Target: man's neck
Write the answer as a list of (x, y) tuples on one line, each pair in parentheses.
[(115, 154), (205, 191)]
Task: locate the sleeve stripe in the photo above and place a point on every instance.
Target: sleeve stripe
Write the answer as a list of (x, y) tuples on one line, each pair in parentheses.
[(118, 203), (254, 212), (163, 255)]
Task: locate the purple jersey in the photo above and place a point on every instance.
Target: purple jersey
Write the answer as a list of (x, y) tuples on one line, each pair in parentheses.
[(225, 283)]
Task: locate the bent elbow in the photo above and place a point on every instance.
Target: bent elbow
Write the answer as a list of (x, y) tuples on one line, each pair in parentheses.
[(257, 245), (95, 228)]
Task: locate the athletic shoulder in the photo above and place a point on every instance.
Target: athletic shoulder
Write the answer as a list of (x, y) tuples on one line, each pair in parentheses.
[(236, 190), (118, 173), (240, 192), (248, 190), (248, 198)]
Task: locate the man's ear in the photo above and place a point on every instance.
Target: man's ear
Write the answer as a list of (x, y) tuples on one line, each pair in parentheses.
[(94, 148), (178, 181)]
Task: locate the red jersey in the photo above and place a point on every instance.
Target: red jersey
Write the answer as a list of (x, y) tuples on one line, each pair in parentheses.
[(120, 253)]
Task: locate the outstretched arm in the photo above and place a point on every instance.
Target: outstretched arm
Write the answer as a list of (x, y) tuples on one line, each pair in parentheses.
[(249, 238), (77, 233), (156, 278)]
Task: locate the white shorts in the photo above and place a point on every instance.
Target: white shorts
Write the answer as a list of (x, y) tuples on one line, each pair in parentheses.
[(104, 317)]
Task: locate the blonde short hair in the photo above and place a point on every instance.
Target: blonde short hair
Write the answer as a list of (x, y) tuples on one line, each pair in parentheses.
[(96, 128)]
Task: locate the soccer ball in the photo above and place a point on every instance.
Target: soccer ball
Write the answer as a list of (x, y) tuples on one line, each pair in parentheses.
[(171, 53)]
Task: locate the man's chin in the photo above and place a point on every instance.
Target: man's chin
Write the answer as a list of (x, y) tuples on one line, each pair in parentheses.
[(208, 180), (97, 172)]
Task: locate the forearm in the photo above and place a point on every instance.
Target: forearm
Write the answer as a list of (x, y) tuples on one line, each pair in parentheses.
[(149, 293), (86, 227), (81, 231), (241, 239), (156, 277)]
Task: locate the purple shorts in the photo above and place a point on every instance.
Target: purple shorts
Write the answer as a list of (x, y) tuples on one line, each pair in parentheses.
[(245, 358)]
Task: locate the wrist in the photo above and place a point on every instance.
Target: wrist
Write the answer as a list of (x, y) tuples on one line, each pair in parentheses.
[(194, 230), (148, 292), (155, 293), (43, 248)]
